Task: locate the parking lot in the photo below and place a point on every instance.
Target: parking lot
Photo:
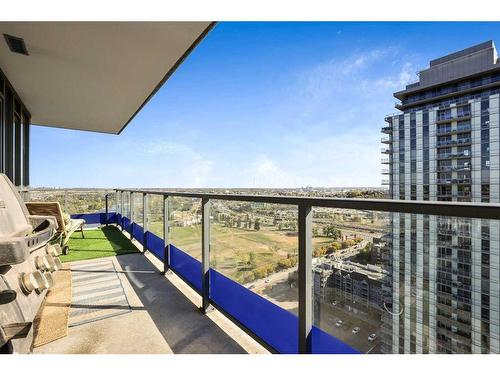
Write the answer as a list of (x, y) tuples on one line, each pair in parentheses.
[(329, 315)]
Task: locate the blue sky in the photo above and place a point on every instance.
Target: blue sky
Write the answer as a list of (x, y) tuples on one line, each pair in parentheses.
[(264, 105)]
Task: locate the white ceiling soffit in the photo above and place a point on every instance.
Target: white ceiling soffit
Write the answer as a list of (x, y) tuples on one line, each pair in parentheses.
[(94, 76)]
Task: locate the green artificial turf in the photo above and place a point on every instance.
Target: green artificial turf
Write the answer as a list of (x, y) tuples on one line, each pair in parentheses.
[(98, 243)]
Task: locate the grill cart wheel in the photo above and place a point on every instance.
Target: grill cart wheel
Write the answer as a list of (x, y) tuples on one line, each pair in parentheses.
[(65, 250)]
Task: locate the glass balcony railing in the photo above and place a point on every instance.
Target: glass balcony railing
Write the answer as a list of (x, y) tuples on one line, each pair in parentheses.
[(386, 129), (449, 118), (449, 181), (323, 275), (453, 155), (449, 130), (453, 142)]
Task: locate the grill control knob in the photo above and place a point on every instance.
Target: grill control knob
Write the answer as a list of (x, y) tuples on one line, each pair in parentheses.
[(54, 250), (34, 281), (49, 280), (42, 262), (48, 263), (57, 264)]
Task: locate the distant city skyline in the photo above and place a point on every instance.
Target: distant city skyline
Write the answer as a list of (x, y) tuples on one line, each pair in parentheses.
[(261, 105)]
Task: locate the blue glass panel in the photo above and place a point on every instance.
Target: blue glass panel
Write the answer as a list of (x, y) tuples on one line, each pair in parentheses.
[(155, 244), (118, 219), (126, 225), (323, 343), (111, 218), (95, 218), (138, 233), (186, 266), (273, 324)]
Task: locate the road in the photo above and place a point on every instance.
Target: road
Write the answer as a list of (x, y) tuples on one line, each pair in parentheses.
[(329, 315)]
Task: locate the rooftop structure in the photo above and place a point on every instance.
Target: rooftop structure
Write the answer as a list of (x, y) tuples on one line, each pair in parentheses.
[(472, 69)]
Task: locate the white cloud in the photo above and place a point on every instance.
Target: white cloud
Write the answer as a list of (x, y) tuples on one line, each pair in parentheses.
[(265, 172), (359, 86), (397, 82), (349, 159), (335, 138), (162, 163)]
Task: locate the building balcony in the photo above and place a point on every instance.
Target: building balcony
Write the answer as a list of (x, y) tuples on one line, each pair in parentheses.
[(454, 142), (387, 129), (449, 181), (386, 140), (449, 168), (453, 155), (443, 120), (457, 130)]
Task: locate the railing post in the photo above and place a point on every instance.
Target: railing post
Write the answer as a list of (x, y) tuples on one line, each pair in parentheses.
[(122, 209), (119, 207), (144, 220), (107, 209), (166, 237), (205, 253), (305, 278), (131, 209), (118, 203)]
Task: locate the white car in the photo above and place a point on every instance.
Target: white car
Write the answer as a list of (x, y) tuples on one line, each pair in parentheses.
[(372, 337), (355, 330), (339, 323)]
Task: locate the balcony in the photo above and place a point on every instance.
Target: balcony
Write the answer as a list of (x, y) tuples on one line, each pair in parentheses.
[(449, 181), (449, 168), (387, 129), (386, 140), (445, 119), (183, 292), (457, 130), (454, 142), (453, 155)]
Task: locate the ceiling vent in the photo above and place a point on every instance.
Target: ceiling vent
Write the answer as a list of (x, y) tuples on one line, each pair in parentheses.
[(16, 44)]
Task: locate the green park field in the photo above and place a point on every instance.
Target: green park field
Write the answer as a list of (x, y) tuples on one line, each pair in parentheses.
[(242, 254)]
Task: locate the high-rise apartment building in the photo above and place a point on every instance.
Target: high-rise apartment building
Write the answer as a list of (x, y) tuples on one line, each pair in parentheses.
[(443, 295)]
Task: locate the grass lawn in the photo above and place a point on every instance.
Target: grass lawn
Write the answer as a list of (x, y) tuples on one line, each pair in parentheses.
[(230, 247), (98, 243)]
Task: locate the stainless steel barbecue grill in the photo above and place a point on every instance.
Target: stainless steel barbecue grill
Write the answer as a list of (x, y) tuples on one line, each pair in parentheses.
[(27, 261)]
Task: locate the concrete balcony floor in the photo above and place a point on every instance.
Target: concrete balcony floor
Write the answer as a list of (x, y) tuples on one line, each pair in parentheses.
[(164, 317)]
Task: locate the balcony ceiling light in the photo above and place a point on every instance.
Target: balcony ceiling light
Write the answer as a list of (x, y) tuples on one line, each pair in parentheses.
[(16, 44)]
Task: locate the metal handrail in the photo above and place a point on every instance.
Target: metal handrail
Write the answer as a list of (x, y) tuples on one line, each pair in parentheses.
[(440, 208)]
